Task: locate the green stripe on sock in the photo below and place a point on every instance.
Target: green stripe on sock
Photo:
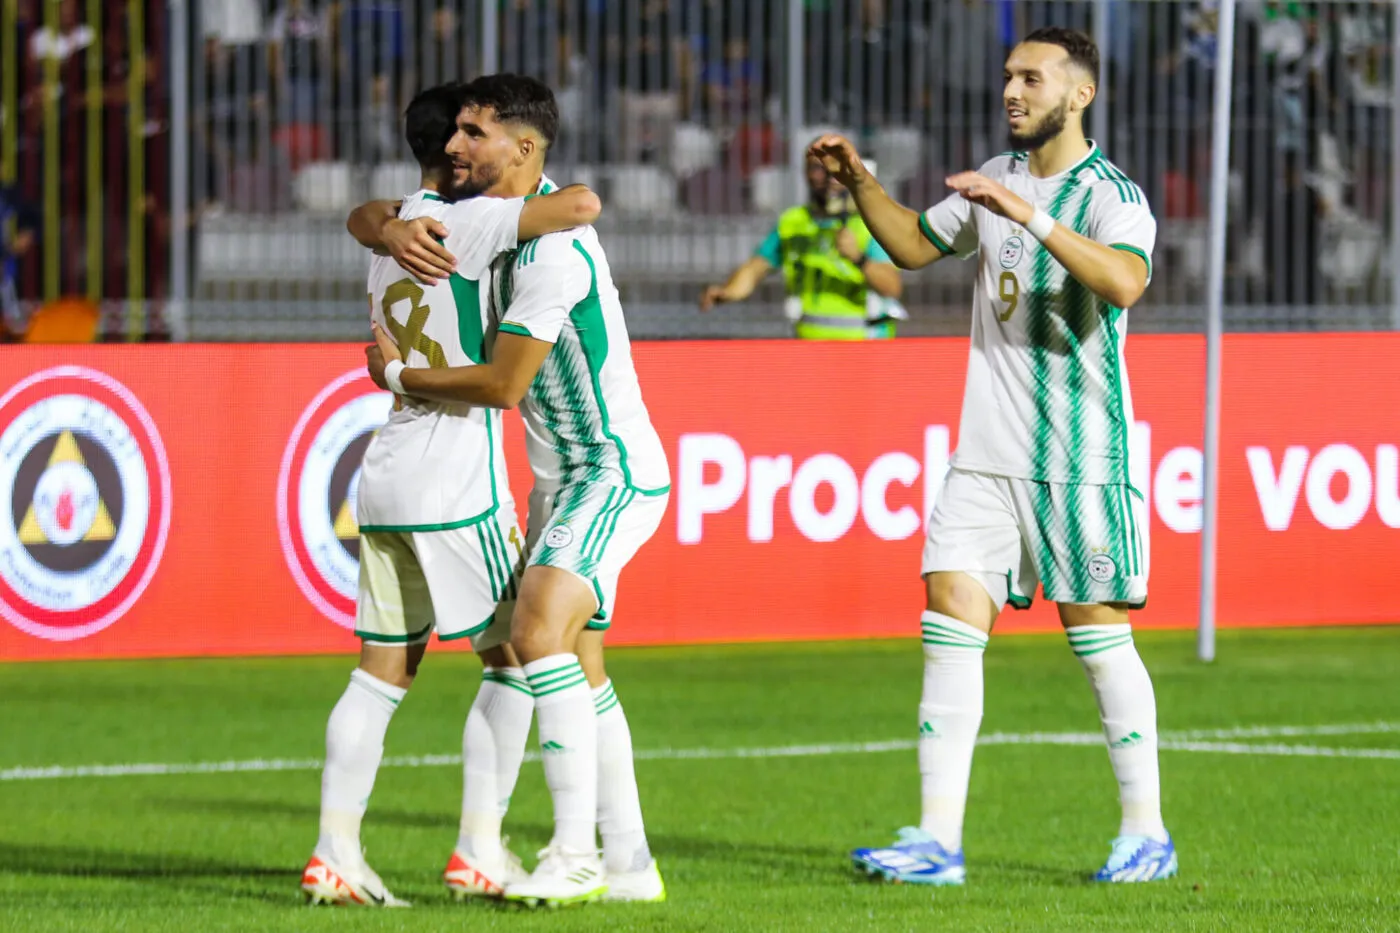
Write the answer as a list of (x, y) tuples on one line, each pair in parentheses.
[(1085, 654), (979, 641), (515, 683), (930, 640), (558, 669), (1085, 631), (555, 677), (573, 667), (581, 681), (1097, 637), (1087, 650)]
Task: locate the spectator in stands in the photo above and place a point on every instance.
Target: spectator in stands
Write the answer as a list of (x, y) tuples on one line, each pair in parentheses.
[(298, 40), (732, 79), (841, 284), (647, 43), (17, 214), (369, 42), (232, 23), (1293, 238), (72, 36)]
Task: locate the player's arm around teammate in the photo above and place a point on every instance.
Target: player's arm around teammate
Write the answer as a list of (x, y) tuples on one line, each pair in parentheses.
[(417, 245), (499, 383)]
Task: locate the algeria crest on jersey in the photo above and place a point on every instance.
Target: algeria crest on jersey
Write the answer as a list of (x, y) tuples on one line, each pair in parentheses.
[(1012, 249)]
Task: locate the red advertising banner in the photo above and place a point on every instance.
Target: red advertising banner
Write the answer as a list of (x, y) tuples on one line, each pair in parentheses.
[(198, 500)]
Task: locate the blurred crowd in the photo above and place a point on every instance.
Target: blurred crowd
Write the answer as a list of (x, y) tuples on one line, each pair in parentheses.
[(695, 92)]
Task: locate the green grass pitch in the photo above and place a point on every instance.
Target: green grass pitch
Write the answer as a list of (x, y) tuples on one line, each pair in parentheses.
[(1283, 830)]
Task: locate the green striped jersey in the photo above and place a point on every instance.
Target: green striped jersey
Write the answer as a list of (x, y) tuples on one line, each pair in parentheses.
[(1047, 389), (585, 421), (437, 465)]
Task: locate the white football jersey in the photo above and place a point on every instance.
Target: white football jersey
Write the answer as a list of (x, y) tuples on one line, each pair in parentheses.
[(585, 421), (437, 465), (1047, 391)]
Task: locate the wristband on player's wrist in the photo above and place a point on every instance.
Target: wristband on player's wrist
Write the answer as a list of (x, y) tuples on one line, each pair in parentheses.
[(1041, 225), (393, 376)]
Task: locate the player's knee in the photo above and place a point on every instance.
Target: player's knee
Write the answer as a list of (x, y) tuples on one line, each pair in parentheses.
[(960, 597), (393, 664), (533, 637)]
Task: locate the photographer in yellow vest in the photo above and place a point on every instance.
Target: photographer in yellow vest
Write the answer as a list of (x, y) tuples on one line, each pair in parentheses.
[(841, 284)]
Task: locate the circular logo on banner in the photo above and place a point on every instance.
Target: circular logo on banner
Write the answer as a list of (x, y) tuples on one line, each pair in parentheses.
[(1011, 252), (1102, 568), (89, 493), (316, 490)]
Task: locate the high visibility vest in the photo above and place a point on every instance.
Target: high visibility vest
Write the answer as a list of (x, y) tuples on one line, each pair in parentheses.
[(831, 288)]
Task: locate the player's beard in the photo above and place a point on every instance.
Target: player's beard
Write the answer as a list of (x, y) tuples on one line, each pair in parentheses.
[(1050, 126), (481, 179)]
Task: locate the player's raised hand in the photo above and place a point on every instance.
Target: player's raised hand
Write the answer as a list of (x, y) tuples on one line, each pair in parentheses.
[(417, 246), (711, 296), (838, 156), (995, 197)]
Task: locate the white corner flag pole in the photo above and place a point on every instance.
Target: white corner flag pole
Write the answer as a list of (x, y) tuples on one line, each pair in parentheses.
[(1215, 312)]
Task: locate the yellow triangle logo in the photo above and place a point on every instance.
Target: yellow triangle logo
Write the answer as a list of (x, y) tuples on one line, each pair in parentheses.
[(66, 450), (345, 524), (102, 528), (29, 530)]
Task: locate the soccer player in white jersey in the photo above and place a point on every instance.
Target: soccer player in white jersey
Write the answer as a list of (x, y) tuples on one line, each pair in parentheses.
[(601, 486), (437, 528), (1039, 490)]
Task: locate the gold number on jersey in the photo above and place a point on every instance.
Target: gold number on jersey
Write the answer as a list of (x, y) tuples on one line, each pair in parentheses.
[(1010, 293), (409, 336), (520, 549)]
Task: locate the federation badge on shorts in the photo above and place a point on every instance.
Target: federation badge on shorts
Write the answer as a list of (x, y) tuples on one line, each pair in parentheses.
[(1102, 568), (316, 490), (89, 502), (1011, 252), (560, 536)]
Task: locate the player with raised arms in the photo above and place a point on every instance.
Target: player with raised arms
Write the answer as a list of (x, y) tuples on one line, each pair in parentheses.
[(1039, 490)]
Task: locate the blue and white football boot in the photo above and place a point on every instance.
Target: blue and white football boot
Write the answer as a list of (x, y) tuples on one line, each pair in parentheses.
[(916, 858), (1138, 858)]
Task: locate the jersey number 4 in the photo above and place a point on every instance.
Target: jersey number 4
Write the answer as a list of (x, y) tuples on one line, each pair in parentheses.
[(1010, 293)]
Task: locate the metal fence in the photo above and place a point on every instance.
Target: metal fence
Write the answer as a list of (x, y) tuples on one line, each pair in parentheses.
[(689, 117)]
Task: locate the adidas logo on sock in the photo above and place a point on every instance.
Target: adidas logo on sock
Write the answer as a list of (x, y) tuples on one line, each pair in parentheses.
[(1128, 741), (927, 731), (555, 747)]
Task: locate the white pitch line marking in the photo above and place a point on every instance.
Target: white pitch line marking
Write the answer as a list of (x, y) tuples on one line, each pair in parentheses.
[(1197, 740)]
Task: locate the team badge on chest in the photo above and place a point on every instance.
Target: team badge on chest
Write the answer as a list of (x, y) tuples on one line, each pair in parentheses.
[(1011, 252)]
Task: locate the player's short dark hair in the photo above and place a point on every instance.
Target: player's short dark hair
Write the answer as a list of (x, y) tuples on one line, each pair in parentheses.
[(516, 99), (1081, 49), (430, 121)]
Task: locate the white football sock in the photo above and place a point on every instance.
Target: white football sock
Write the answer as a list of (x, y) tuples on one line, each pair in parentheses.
[(354, 747), (619, 806), (1128, 710), (493, 745), (569, 745), (950, 713)]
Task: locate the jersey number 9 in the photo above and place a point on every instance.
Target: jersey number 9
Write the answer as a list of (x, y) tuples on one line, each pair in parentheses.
[(1010, 293)]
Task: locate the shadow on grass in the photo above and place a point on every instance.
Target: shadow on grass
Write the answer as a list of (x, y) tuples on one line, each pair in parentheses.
[(785, 857)]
